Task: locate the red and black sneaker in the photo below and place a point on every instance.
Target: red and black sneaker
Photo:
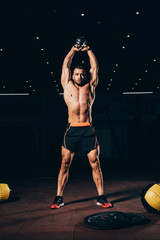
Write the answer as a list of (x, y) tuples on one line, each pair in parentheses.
[(103, 202), (58, 202)]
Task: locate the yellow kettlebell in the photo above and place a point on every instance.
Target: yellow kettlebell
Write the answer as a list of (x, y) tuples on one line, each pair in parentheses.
[(4, 191)]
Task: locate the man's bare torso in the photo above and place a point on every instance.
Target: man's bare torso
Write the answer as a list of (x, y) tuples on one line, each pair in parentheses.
[(79, 100)]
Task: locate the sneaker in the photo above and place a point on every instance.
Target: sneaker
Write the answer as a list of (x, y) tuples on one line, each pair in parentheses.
[(103, 202), (58, 202)]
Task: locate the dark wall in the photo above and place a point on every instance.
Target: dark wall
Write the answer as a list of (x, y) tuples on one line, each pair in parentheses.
[(32, 128)]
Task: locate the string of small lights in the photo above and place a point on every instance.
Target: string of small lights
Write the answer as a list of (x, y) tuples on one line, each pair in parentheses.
[(6, 90), (134, 88), (54, 83), (145, 75)]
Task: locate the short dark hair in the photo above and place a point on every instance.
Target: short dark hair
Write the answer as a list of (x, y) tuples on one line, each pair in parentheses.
[(79, 67)]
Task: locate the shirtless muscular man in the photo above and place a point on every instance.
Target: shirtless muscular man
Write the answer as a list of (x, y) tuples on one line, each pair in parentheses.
[(80, 136)]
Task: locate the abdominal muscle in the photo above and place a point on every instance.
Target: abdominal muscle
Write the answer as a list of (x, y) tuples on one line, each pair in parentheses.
[(79, 113), (79, 103)]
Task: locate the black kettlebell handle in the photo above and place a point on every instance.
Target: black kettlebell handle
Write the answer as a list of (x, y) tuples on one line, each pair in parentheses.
[(80, 41)]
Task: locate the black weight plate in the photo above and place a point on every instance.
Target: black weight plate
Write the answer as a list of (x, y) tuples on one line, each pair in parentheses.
[(114, 220)]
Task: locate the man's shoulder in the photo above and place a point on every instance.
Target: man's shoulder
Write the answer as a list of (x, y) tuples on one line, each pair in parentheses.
[(68, 84)]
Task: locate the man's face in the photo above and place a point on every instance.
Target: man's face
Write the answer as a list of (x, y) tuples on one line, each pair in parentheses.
[(79, 76)]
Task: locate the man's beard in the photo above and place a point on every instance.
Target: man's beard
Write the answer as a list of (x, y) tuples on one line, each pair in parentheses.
[(81, 83)]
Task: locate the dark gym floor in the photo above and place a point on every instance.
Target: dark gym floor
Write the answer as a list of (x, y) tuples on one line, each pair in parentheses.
[(27, 215)]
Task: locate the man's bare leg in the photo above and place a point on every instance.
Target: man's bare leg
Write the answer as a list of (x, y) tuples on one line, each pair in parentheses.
[(93, 157), (67, 157)]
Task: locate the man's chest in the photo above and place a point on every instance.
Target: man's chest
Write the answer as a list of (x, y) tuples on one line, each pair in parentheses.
[(79, 94)]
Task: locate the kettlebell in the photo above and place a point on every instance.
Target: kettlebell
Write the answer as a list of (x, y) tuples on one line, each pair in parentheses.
[(80, 41)]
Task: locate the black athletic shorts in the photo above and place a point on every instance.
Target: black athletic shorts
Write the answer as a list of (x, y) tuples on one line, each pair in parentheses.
[(80, 138)]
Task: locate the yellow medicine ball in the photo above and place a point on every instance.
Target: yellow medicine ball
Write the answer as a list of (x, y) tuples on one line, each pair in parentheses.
[(151, 198), (4, 191)]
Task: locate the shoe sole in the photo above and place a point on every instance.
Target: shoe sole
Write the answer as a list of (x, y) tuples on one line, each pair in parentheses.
[(108, 205), (57, 206)]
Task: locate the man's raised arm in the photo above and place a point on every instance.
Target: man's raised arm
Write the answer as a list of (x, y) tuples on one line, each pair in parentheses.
[(66, 72), (93, 66)]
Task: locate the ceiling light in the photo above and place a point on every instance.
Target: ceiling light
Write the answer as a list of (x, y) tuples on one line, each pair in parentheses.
[(14, 94), (128, 93)]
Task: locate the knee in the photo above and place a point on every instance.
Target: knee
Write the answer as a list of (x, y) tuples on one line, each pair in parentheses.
[(65, 164), (95, 164)]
